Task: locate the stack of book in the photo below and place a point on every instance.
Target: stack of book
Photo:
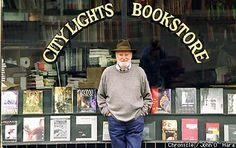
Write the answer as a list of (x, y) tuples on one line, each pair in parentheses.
[(98, 57), (42, 77), (3, 77), (74, 82)]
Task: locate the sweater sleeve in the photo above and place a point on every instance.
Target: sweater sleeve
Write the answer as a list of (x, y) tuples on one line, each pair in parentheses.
[(146, 94), (101, 95)]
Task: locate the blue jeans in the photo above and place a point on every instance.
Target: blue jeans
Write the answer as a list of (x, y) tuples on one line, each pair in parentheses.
[(126, 134)]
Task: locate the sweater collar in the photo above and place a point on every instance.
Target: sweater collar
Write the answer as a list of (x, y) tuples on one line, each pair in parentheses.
[(119, 69)]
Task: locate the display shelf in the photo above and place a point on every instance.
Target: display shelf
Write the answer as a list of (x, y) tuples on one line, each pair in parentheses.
[(75, 73), (222, 119), (145, 144)]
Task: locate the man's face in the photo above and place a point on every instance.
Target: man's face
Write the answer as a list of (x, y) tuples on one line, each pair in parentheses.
[(123, 59), (123, 56)]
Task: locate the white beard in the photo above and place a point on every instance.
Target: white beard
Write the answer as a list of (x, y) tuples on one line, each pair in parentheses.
[(124, 65)]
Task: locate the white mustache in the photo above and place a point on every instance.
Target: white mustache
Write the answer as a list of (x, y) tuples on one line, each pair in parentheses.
[(124, 65)]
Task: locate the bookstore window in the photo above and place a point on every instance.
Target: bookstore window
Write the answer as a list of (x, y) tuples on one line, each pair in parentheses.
[(43, 102), (176, 65)]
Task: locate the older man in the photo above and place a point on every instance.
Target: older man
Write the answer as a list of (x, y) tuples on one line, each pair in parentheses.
[(124, 98)]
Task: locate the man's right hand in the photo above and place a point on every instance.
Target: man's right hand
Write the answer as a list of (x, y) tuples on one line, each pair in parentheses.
[(108, 113)]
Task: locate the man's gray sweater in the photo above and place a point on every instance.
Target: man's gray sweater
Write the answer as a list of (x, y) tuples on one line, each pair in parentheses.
[(126, 94)]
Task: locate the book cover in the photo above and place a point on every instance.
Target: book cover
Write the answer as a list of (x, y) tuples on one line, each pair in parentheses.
[(154, 108), (105, 132), (60, 128), (189, 129), (63, 100), (186, 100), (231, 103), (164, 104), (169, 130), (149, 131), (212, 131), (32, 102), (33, 129), (86, 128), (9, 131), (86, 100), (211, 100), (10, 102), (230, 132)]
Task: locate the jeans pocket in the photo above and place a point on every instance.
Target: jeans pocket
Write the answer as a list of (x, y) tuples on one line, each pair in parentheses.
[(140, 118), (139, 114)]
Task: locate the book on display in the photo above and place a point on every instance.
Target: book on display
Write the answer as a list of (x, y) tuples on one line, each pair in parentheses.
[(231, 103), (9, 102), (161, 100), (105, 132), (169, 130), (212, 131), (149, 131), (33, 102), (63, 100), (9, 131), (211, 100), (60, 128), (230, 132), (186, 100), (86, 128), (154, 108), (189, 129), (86, 100), (164, 104), (33, 129)]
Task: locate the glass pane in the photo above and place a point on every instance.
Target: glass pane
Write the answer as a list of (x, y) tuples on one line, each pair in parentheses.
[(176, 34)]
